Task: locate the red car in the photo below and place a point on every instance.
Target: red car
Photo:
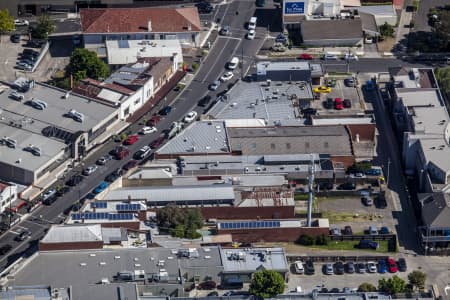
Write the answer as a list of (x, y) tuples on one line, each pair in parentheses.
[(120, 152), (156, 143), (129, 165), (392, 265), (306, 56), (338, 104), (153, 120), (131, 139)]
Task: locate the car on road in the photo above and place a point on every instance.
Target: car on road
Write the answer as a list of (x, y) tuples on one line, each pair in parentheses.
[(50, 193), (350, 57), (350, 267), (382, 267), (22, 236), (148, 130), (101, 187), (16, 96), (309, 267), (204, 101), (306, 56), (158, 142), (347, 103), (120, 152), (225, 30), (89, 170), (367, 244), (348, 186), (130, 140), (214, 86), (114, 175), (207, 285), (328, 269), (142, 153), (339, 268), (63, 190), (104, 159), (329, 56), (367, 201), (338, 104), (401, 264), (74, 180), (227, 76), (190, 117), (371, 267), (153, 120), (129, 165), (233, 63), (373, 172), (322, 89), (361, 267), (251, 34), (298, 267), (392, 265), (5, 249), (21, 22), (15, 38), (165, 110), (350, 82)]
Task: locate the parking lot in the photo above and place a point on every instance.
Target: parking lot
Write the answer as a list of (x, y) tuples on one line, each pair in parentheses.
[(340, 90)]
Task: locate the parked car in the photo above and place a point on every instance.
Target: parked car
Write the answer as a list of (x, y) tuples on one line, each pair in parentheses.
[(373, 230), (328, 269), (298, 266), (348, 230), (120, 152), (15, 38), (338, 104), (21, 22), (339, 268), (158, 142), (367, 201), (129, 165), (350, 82), (347, 103), (260, 3), (309, 112), (361, 267), (215, 85), (324, 186), (204, 101), (131, 139), (335, 231), (148, 129), (207, 285), (350, 267), (213, 294), (367, 244), (74, 180), (23, 66), (63, 190), (142, 153), (306, 56), (309, 267), (114, 175), (251, 34), (329, 103), (401, 263), (329, 56), (392, 265), (227, 76), (190, 117), (153, 120), (35, 43), (89, 170), (16, 96), (382, 267), (104, 159), (233, 63), (351, 56), (322, 89), (165, 110), (346, 186), (23, 236), (5, 249), (50, 193), (371, 267), (373, 172), (101, 187), (384, 230)]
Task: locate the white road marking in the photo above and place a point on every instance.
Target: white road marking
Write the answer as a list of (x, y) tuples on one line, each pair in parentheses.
[(230, 37)]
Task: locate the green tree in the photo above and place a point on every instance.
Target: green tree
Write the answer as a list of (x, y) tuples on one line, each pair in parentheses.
[(267, 283), (45, 26), (417, 279), (84, 63), (443, 77), (6, 21), (366, 287), (441, 32), (387, 30), (180, 222), (392, 285), (305, 240), (321, 240)]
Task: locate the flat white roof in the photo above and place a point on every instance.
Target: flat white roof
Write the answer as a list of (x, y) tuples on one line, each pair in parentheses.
[(123, 52)]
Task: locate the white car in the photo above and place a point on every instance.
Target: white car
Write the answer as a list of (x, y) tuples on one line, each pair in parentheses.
[(89, 170), (227, 76), (148, 129), (299, 269), (19, 22), (251, 34), (190, 117), (371, 267), (351, 56), (234, 62)]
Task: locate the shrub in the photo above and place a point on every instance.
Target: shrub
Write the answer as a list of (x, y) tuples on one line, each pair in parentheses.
[(321, 240), (305, 240)]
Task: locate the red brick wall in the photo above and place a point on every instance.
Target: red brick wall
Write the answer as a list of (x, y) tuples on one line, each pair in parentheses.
[(273, 235), (70, 246), (347, 161), (229, 212), (128, 225)]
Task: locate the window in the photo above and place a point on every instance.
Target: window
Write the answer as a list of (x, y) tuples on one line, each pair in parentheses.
[(272, 146), (288, 145), (307, 145), (253, 146)]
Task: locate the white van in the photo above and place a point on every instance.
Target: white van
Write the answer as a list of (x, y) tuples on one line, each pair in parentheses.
[(252, 23), (233, 63)]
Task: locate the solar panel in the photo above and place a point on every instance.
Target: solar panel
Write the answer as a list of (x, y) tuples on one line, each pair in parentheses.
[(124, 216), (250, 225), (76, 217), (102, 204), (128, 207)]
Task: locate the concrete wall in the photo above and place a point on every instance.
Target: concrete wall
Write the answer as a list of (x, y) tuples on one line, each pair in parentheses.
[(9, 194), (269, 212), (273, 235), (191, 38)]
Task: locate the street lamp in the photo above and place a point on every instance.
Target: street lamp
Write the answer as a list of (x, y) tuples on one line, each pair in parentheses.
[(388, 171)]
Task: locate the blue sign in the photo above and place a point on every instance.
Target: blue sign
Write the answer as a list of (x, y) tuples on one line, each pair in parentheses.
[(293, 8)]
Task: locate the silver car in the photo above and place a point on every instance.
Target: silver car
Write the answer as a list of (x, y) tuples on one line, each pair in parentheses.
[(89, 170)]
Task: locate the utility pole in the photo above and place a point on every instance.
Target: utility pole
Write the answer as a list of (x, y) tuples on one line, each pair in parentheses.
[(388, 171), (311, 170)]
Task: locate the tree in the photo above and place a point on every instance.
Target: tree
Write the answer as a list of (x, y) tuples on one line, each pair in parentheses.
[(267, 283), (417, 279), (45, 26), (6, 21), (180, 222), (366, 287), (305, 240), (443, 77), (441, 32), (392, 285), (387, 30), (84, 63)]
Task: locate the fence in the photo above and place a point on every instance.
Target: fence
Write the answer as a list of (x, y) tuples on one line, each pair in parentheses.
[(333, 258)]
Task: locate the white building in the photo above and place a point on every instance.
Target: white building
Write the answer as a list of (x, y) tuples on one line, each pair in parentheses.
[(295, 11), (8, 194)]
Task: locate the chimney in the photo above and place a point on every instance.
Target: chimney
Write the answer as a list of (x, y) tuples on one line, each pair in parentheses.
[(149, 26)]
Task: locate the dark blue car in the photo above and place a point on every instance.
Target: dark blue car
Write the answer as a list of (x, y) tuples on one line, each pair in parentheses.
[(165, 110)]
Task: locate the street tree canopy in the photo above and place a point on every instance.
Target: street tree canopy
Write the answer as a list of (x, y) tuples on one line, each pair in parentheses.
[(6, 21), (417, 279), (84, 63), (45, 26), (392, 285), (387, 30), (266, 284)]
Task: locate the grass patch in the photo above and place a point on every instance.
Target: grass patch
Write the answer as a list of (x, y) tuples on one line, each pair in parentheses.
[(350, 245), (301, 197), (335, 217)]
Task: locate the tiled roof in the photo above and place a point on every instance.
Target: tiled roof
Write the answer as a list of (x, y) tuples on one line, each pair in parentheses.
[(91, 88), (331, 29), (126, 20)]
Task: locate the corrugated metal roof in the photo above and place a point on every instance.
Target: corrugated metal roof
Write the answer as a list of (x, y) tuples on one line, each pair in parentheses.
[(68, 234)]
